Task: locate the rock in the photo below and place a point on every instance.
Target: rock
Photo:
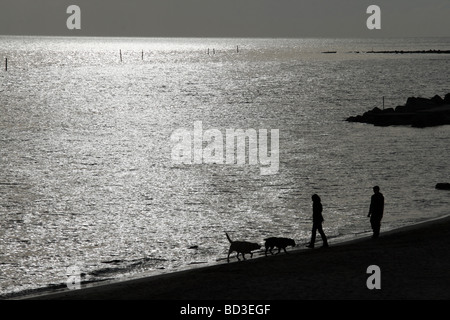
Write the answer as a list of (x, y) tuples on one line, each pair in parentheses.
[(401, 109), (443, 186), (430, 119), (376, 110), (447, 98), (415, 104), (355, 119), (438, 100)]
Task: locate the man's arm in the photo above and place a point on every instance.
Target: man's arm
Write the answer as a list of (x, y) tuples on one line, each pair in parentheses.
[(371, 207)]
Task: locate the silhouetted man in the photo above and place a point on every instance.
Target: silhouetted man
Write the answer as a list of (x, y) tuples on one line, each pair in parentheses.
[(376, 211)]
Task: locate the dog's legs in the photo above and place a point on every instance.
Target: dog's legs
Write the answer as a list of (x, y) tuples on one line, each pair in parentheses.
[(237, 256), (230, 251)]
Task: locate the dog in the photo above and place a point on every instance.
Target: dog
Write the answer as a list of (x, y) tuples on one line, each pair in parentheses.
[(280, 243), (241, 247)]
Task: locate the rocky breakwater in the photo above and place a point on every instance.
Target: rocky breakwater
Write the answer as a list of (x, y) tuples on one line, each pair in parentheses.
[(417, 112)]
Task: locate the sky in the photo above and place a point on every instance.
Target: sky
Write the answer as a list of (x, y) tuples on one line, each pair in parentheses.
[(226, 18)]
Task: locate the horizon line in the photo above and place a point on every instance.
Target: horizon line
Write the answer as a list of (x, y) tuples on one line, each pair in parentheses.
[(226, 37)]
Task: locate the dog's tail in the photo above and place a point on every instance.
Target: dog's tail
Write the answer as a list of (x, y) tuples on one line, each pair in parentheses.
[(228, 237)]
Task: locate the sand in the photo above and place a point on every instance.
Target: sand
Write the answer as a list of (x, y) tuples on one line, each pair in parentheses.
[(414, 263)]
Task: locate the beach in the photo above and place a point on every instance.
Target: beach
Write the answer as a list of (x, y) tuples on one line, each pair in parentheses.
[(90, 179), (413, 264)]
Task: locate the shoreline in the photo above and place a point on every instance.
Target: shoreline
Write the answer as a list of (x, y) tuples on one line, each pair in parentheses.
[(413, 260)]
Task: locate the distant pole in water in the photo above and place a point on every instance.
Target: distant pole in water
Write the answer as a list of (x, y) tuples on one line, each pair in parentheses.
[(142, 54), (208, 51), (6, 64), (237, 49), (120, 52)]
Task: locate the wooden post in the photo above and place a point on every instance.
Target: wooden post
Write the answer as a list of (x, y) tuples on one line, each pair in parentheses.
[(237, 49), (6, 64), (142, 55), (120, 55)]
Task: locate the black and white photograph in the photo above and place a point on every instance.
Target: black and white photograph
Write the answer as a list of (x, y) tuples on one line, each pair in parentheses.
[(224, 155)]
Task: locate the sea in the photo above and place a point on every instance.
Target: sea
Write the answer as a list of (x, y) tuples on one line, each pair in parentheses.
[(90, 189)]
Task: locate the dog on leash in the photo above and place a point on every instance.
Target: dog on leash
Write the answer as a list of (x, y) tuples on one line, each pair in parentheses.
[(241, 247), (280, 243)]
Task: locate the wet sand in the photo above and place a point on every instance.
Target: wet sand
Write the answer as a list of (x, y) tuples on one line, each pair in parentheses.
[(414, 264)]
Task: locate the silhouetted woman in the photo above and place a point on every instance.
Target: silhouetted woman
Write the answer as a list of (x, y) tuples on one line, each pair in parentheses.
[(317, 222)]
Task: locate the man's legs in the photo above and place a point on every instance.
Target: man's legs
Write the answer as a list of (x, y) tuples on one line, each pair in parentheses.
[(376, 226)]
